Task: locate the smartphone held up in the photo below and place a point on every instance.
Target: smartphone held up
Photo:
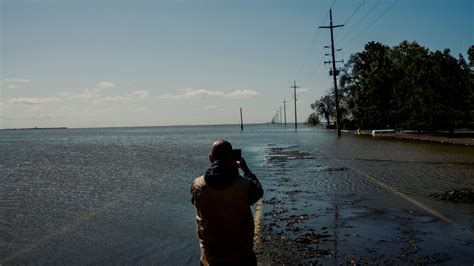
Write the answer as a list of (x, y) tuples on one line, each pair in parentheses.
[(237, 154)]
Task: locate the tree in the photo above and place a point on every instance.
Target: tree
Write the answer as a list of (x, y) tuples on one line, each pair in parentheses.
[(432, 91), (312, 120), (453, 91), (412, 101), (325, 107), (406, 86), (470, 53), (368, 82)]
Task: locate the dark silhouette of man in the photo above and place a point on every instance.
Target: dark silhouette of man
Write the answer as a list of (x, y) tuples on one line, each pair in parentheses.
[(222, 198)]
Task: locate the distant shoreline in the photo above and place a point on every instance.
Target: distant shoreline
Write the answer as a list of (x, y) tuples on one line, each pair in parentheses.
[(465, 139), (34, 128), (102, 127)]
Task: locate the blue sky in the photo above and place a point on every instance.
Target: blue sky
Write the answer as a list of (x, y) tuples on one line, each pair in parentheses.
[(131, 63)]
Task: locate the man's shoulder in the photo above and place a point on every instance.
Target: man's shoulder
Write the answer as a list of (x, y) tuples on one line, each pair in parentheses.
[(200, 182), (242, 179), (241, 182)]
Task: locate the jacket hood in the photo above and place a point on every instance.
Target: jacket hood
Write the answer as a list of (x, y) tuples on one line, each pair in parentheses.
[(220, 175)]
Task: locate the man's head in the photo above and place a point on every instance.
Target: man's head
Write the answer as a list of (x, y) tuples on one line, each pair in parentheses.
[(221, 150)]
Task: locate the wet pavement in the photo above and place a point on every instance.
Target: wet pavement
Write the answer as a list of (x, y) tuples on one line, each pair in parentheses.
[(367, 220)]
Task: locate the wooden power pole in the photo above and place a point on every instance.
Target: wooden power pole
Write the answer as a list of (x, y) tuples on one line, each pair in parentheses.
[(241, 120), (334, 72), (281, 120), (296, 119)]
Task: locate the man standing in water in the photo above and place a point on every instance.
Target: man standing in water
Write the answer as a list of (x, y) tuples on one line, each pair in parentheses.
[(222, 198)]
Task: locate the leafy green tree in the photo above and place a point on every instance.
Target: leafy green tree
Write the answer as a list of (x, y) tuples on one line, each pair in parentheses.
[(470, 53), (406, 86), (313, 120), (369, 84), (412, 101), (325, 107), (432, 88), (453, 91)]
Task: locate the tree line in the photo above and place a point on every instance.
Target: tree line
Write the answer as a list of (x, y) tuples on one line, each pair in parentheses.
[(403, 87)]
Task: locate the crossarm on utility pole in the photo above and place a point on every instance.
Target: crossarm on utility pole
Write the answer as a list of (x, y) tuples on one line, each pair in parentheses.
[(338, 113), (296, 119)]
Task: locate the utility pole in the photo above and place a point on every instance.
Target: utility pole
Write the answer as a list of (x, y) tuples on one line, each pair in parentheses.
[(296, 119), (334, 71), (284, 109), (281, 120), (241, 120)]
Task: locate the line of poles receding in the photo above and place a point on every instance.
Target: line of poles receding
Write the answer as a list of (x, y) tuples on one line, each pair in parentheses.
[(280, 118)]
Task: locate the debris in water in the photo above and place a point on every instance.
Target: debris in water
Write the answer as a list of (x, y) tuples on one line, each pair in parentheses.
[(463, 195)]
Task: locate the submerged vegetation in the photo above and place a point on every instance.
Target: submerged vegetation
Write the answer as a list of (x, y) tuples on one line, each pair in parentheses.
[(403, 87)]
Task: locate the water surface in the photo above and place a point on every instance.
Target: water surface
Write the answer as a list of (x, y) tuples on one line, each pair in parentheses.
[(122, 195)]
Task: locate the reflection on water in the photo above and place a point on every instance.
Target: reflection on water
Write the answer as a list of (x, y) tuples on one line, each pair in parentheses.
[(121, 195)]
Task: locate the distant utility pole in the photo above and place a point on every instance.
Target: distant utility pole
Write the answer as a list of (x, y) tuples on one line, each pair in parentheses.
[(284, 109), (334, 71), (241, 120), (296, 119), (281, 120)]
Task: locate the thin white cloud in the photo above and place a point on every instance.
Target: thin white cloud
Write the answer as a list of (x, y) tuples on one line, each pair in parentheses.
[(192, 93), (12, 83), (32, 101), (86, 94), (241, 94), (211, 107), (106, 85), (94, 96), (202, 93), (96, 110), (171, 96), (112, 100), (302, 90), (16, 81), (189, 93), (140, 94)]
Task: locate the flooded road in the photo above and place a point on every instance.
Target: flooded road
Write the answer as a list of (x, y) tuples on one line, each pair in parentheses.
[(121, 196), (366, 201)]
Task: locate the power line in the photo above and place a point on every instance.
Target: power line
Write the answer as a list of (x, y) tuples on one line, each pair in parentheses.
[(310, 77), (315, 38), (316, 35), (358, 22), (319, 62), (350, 17), (373, 23), (355, 11), (312, 70)]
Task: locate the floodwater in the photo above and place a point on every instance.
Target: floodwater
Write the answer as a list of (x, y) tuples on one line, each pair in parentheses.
[(362, 200), (122, 195)]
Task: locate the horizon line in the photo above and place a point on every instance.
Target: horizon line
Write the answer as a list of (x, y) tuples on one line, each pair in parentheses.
[(178, 125)]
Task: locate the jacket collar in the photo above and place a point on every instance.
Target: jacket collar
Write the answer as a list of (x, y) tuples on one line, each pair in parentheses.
[(220, 175)]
